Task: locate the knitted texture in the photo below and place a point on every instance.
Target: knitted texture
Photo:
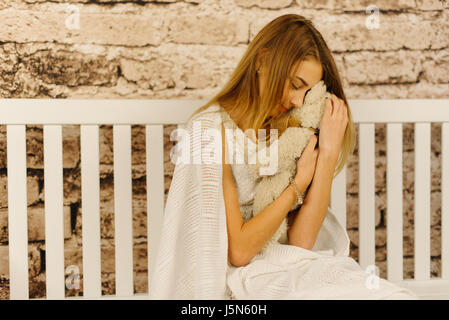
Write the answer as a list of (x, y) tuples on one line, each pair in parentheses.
[(191, 261)]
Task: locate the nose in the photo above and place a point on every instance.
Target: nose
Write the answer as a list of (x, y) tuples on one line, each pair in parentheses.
[(297, 104), (298, 100)]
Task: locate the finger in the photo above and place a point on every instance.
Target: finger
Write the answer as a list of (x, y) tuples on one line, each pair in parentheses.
[(334, 100), (346, 112), (328, 108), (342, 109), (337, 104), (312, 142)]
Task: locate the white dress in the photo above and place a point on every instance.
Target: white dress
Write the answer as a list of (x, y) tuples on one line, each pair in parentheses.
[(289, 272)]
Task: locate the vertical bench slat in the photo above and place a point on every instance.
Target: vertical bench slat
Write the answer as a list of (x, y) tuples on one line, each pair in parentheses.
[(422, 201), (445, 201), (123, 211), (394, 202), (366, 196), (90, 202), (155, 191), (338, 197), (54, 212), (17, 212)]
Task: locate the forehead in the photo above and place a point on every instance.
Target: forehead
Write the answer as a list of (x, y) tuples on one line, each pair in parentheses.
[(309, 69)]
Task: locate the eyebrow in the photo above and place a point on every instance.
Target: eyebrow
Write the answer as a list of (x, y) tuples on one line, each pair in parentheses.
[(302, 80)]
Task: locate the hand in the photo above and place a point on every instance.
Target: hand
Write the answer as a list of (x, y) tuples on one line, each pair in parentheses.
[(333, 127), (305, 167)]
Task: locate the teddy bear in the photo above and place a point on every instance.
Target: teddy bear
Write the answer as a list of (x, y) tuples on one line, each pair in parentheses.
[(302, 123)]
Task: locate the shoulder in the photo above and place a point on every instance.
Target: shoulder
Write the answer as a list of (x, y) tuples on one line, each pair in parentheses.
[(211, 117)]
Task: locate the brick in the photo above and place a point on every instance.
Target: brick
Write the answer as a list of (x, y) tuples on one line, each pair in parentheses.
[(141, 71), (354, 35), (32, 190), (381, 254), (72, 186), (264, 4), (73, 256), (140, 258), (125, 88), (177, 66), (346, 33), (107, 219), (4, 260), (35, 147), (138, 140), (354, 253), (349, 5), (108, 260), (354, 237), (382, 265), (36, 223), (436, 67), (139, 219), (420, 90), (94, 27), (385, 67), (408, 245), (106, 145), (34, 261), (435, 241), (352, 212), (435, 208), (408, 268), (429, 4), (352, 172), (3, 156), (380, 236), (71, 145), (209, 29), (435, 267), (141, 282), (71, 68)]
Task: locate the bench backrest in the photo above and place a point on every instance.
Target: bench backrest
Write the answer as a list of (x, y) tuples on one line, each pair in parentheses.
[(122, 113)]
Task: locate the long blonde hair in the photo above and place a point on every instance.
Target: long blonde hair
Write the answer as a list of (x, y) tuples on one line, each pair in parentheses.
[(290, 39)]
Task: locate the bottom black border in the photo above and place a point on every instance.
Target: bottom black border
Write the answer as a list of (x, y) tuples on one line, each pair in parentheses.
[(220, 309)]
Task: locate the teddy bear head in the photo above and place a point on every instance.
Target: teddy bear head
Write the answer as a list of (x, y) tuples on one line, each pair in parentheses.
[(312, 111)]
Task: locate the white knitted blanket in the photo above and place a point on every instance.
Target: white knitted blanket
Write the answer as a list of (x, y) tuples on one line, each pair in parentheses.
[(191, 262)]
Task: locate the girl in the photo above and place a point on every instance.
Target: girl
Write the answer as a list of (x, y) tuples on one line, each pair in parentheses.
[(209, 247)]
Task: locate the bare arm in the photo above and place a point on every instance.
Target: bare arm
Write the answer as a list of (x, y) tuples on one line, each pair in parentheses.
[(307, 222), (246, 239)]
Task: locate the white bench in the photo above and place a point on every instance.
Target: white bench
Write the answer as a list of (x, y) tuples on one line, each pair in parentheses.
[(122, 113)]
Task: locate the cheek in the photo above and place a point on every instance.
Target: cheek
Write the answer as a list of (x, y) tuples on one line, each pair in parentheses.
[(297, 97)]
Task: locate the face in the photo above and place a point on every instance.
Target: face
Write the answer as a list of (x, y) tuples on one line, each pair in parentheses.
[(308, 74)]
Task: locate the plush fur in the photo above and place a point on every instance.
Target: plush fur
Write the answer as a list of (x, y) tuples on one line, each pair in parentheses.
[(290, 147)]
